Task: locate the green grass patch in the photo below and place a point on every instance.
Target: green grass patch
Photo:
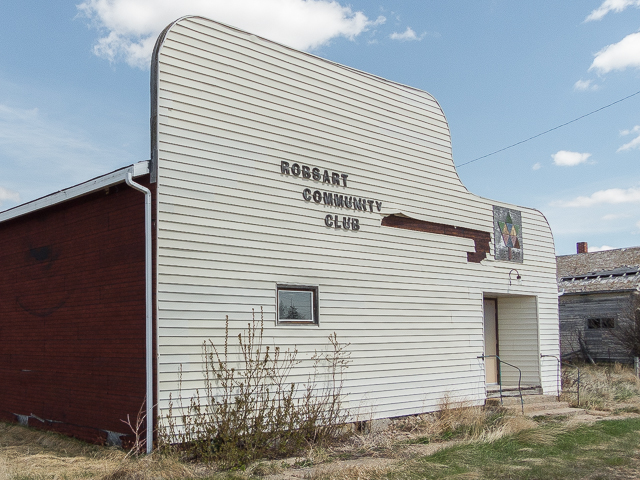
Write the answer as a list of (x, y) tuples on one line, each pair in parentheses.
[(546, 452), (422, 441)]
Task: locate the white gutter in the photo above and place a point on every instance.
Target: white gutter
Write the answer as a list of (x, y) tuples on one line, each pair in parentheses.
[(105, 181), (125, 174), (149, 309)]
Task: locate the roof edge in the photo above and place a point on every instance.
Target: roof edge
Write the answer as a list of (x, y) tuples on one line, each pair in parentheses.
[(118, 176), (599, 292)]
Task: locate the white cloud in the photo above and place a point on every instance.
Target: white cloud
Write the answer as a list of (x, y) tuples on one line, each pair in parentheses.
[(614, 216), (407, 35), (584, 85), (635, 143), (565, 158), (610, 6), (536, 166), (130, 27), (600, 249), (6, 194), (635, 129), (618, 56), (612, 196)]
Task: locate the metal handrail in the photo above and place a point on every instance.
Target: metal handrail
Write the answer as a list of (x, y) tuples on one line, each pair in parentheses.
[(560, 362), (500, 361)]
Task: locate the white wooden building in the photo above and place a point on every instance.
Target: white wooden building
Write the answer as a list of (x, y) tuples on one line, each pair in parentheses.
[(278, 170), (278, 181)]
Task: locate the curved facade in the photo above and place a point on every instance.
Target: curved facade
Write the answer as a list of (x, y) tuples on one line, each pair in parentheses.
[(278, 169), (324, 197)]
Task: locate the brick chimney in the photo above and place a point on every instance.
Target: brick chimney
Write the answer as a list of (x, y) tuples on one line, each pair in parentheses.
[(582, 247)]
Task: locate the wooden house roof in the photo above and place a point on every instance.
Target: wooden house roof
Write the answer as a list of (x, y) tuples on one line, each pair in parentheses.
[(606, 271)]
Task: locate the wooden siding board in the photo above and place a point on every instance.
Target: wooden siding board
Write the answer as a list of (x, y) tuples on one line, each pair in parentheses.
[(195, 97), (602, 344), (206, 162), (179, 131), (340, 75), (272, 75), (256, 180), (231, 226)]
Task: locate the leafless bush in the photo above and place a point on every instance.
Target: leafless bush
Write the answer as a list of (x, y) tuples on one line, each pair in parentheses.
[(627, 331), (254, 411), (137, 429)]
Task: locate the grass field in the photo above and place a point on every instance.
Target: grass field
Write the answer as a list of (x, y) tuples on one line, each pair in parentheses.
[(607, 449), (461, 442)]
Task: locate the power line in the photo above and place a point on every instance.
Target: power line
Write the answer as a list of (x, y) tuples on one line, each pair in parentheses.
[(547, 131)]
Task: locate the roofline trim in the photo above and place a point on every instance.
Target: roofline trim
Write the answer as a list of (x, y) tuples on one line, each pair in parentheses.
[(603, 292), (605, 275), (119, 176)]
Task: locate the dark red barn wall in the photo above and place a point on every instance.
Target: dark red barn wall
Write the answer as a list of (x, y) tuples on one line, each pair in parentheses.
[(72, 314)]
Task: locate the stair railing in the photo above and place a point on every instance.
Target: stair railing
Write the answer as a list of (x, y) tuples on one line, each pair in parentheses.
[(559, 375), (500, 362)]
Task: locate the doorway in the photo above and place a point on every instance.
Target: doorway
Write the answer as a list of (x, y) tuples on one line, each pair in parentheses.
[(491, 340)]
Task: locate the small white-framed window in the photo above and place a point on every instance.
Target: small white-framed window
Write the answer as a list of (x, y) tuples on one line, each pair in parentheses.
[(297, 304)]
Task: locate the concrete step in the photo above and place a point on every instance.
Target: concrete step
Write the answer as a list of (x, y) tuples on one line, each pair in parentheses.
[(539, 407), (530, 399), (494, 391), (535, 405), (527, 399), (568, 411), (544, 409)]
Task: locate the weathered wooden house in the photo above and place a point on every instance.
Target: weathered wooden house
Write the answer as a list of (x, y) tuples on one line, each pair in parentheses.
[(598, 303), (323, 195)]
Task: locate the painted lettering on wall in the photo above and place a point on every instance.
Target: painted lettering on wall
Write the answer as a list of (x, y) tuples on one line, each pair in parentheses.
[(330, 198)]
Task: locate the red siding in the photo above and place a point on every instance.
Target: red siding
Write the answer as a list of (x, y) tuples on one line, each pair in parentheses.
[(72, 314)]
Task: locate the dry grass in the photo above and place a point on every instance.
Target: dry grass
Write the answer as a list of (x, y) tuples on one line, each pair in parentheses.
[(606, 388), (27, 454), (352, 472), (31, 454), (461, 420), (546, 436)]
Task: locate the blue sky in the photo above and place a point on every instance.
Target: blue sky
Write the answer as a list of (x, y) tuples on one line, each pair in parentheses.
[(74, 91)]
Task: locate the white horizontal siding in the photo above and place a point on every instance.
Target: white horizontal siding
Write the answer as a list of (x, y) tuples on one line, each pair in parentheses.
[(518, 330), (231, 227)]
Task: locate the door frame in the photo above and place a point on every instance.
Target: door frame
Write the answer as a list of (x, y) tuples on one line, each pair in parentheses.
[(497, 332)]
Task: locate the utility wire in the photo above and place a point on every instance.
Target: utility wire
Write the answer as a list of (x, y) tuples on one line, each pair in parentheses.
[(547, 131)]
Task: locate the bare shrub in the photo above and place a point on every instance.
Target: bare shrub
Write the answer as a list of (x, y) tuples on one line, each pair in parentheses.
[(627, 331), (254, 411), (139, 442)]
